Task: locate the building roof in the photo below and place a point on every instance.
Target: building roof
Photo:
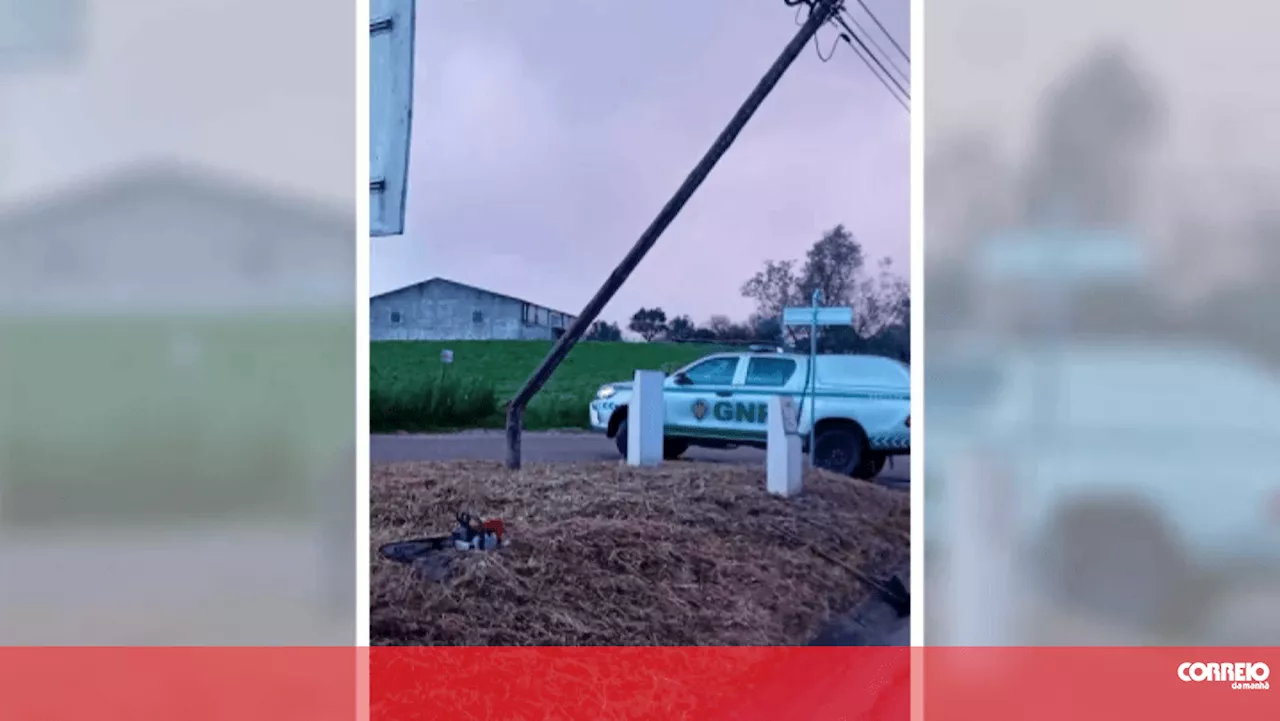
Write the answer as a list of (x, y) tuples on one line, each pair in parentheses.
[(163, 182), (438, 279)]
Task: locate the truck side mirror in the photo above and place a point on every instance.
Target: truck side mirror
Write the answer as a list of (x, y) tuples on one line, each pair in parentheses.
[(682, 379)]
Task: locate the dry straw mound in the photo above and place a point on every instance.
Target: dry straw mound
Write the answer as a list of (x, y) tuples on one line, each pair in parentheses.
[(605, 554)]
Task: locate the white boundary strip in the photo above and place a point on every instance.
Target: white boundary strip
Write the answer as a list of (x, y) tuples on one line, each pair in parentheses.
[(361, 110)]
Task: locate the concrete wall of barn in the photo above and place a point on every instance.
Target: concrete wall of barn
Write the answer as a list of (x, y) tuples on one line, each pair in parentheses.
[(440, 310)]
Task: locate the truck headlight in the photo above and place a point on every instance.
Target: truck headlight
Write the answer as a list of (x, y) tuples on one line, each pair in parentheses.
[(605, 392)]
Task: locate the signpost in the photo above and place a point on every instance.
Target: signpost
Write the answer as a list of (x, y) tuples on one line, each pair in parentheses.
[(645, 419), (815, 316), (391, 33)]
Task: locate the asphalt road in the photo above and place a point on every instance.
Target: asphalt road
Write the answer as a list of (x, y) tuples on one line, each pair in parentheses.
[(555, 446)]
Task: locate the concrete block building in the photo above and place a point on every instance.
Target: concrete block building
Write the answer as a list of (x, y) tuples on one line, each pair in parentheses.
[(440, 309)]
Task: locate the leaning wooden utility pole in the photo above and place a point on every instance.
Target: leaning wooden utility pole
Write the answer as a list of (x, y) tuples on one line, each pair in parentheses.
[(821, 11)]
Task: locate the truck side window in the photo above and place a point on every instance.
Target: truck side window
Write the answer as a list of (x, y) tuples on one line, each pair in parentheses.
[(770, 371), (714, 372)]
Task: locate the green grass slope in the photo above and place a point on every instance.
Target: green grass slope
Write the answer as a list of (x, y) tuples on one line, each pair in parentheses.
[(411, 390)]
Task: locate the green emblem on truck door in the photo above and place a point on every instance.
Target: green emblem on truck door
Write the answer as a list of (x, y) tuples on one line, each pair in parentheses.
[(699, 409)]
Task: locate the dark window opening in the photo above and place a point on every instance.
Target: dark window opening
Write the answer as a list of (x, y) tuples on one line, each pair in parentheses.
[(477, 316), (395, 316)]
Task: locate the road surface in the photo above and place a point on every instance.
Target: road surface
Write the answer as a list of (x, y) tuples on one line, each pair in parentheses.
[(556, 447)]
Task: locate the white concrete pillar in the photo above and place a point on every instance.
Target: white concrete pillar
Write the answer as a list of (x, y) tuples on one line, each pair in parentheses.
[(645, 418), (784, 457), (979, 589)]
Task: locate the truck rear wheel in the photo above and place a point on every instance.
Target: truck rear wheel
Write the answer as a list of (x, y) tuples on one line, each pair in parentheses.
[(1116, 562), (840, 449), (871, 465)]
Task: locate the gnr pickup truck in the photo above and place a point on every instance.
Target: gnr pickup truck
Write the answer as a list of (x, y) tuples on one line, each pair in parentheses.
[(1137, 480), (860, 406)]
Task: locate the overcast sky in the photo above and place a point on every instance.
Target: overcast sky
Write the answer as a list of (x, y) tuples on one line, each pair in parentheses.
[(548, 135), (209, 89)]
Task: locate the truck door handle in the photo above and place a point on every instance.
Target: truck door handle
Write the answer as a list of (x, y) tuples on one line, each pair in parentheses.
[(724, 394)]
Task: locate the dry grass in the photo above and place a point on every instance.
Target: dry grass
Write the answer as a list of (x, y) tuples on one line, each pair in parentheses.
[(604, 554)]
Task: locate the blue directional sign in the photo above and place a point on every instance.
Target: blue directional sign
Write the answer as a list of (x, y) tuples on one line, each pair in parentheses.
[(817, 316), (391, 32)]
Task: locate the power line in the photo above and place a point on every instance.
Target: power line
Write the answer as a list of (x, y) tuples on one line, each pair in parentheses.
[(850, 37), (865, 60), (906, 77), (864, 53), (884, 30)]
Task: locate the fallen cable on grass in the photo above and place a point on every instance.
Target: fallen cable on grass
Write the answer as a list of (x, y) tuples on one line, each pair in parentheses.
[(892, 594), (605, 554)]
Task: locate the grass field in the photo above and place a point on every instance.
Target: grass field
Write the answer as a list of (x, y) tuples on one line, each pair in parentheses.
[(142, 420), (411, 390)]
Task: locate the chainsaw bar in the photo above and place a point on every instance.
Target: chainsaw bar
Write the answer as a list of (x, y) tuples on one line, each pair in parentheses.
[(414, 550)]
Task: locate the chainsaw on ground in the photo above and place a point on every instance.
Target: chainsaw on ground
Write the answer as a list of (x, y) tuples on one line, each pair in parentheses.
[(472, 534)]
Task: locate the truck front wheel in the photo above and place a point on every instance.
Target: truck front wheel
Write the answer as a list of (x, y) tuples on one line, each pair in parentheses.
[(672, 448), (620, 440), (840, 450)]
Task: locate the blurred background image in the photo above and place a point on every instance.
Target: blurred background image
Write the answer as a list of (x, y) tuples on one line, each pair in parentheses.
[(177, 365), (1102, 413)]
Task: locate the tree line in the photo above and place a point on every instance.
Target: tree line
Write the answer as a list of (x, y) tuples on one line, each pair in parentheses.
[(836, 266)]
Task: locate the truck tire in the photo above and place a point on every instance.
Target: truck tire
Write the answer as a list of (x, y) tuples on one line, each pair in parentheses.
[(620, 440), (871, 465), (840, 449), (1117, 563), (672, 448)]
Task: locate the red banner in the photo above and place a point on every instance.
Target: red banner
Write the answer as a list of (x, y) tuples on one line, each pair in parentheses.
[(511, 684), (608, 684), (191, 684)]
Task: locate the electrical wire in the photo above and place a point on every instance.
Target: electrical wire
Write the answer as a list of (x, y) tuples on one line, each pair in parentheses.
[(860, 48), (906, 77), (817, 46), (860, 53), (884, 30), (851, 37)]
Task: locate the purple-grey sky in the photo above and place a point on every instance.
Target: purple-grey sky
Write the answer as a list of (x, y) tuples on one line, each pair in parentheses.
[(548, 135)]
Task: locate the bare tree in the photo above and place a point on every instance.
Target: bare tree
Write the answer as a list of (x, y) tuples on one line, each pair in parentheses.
[(649, 323), (832, 266), (773, 288)]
